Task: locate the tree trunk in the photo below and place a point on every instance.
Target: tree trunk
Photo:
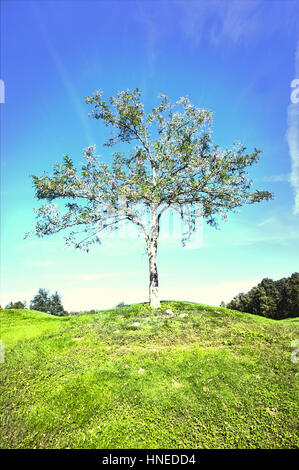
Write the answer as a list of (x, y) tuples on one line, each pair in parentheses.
[(153, 274), (152, 245)]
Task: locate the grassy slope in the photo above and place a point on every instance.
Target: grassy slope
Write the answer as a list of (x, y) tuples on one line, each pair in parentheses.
[(214, 378)]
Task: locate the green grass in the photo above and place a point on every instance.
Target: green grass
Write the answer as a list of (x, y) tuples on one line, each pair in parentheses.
[(131, 377)]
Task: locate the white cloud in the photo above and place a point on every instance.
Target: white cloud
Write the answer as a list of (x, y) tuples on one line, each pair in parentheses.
[(87, 298), (269, 220), (227, 21), (14, 296), (277, 178), (211, 294), (253, 238), (293, 142), (233, 21), (42, 263), (41, 243), (82, 277)]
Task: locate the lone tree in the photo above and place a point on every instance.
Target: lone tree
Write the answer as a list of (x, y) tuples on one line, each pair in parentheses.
[(174, 163)]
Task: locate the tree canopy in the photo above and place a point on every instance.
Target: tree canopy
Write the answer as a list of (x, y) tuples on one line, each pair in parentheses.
[(272, 299)]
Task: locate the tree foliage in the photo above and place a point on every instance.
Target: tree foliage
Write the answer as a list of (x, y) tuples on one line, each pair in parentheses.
[(272, 299)]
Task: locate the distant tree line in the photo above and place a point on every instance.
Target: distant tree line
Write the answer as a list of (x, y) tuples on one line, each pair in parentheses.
[(17, 304), (272, 299), (43, 302)]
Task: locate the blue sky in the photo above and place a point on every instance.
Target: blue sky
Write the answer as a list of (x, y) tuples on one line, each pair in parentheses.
[(236, 58)]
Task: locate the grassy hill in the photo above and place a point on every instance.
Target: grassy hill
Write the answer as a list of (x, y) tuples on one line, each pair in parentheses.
[(131, 378)]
